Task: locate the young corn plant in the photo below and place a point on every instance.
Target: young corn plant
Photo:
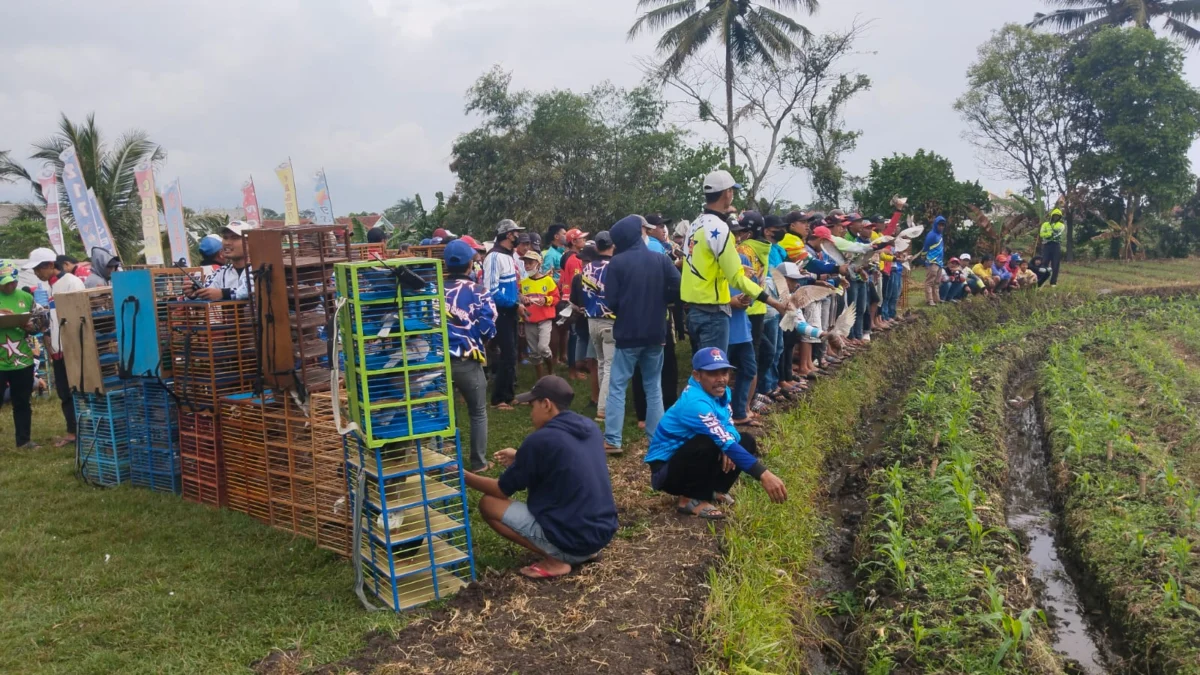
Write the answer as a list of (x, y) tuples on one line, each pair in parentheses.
[(1181, 555), (1173, 597), (976, 533), (895, 550), (1138, 543)]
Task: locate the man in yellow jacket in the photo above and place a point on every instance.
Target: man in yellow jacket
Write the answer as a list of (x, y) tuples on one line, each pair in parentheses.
[(1052, 237), (711, 265)]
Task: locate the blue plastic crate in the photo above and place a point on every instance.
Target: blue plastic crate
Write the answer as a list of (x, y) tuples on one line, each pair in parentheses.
[(153, 422), (393, 423), (102, 436)]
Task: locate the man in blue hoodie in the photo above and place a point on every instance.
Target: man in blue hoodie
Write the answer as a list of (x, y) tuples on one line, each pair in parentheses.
[(935, 257), (696, 453), (500, 279), (638, 286), (570, 515)]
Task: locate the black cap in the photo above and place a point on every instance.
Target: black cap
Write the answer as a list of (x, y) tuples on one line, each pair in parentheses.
[(876, 219), (750, 220), (794, 217), (656, 219), (604, 240), (773, 221), (551, 388)]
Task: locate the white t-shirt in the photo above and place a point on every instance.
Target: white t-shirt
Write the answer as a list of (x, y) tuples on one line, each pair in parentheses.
[(66, 283)]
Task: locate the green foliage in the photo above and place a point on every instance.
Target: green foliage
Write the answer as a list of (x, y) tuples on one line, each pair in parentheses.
[(359, 233), (1147, 115), (21, 236), (584, 159), (927, 179), (1081, 18)]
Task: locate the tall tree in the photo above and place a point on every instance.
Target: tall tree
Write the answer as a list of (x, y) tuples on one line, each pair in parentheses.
[(749, 32), (1148, 115), (1085, 17), (107, 169), (928, 181)]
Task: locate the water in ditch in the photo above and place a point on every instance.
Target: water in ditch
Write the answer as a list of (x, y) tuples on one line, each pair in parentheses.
[(1029, 511)]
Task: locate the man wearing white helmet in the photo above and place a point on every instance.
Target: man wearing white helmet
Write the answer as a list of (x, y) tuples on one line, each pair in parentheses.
[(44, 264), (231, 282)]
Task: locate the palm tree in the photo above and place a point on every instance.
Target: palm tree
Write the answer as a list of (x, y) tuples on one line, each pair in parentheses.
[(749, 32), (1017, 215), (108, 170), (1084, 17)]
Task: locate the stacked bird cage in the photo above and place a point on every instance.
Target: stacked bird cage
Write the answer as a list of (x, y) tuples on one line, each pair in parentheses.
[(360, 252), (202, 475), (284, 466), (153, 436), (102, 437), (411, 527), (212, 350), (170, 284)]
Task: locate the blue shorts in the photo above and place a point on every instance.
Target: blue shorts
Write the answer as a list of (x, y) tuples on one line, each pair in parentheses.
[(520, 520)]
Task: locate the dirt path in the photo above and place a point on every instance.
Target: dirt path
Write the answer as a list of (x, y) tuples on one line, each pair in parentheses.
[(633, 612)]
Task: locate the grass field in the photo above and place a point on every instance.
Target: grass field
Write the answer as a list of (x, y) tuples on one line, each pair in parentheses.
[(129, 581), (101, 581)]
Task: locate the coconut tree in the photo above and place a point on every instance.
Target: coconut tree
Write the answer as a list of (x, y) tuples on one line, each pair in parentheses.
[(1015, 214), (749, 31), (107, 169), (1084, 17)]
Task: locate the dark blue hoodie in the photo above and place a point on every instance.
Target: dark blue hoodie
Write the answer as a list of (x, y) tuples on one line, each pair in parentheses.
[(565, 470), (935, 252), (638, 285)]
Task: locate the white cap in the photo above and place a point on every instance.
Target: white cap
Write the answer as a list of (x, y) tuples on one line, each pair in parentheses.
[(681, 228), (965, 256), (790, 270), (238, 227), (719, 181), (40, 256)]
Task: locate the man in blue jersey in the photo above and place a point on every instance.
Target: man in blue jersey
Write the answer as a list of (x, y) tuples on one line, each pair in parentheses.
[(470, 322), (696, 453), (935, 260), (500, 278)]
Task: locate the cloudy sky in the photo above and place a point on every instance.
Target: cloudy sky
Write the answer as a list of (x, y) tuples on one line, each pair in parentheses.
[(372, 90)]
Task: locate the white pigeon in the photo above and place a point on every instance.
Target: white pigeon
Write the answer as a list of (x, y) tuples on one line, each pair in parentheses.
[(843, 324), (798, 300)]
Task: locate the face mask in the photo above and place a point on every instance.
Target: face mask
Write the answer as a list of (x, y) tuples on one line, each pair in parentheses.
[(777, 235)]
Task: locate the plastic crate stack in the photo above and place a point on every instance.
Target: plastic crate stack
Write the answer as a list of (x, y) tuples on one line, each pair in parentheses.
[(153, 436), (411, 525), (102, 437), (285, 468), (212, 355)]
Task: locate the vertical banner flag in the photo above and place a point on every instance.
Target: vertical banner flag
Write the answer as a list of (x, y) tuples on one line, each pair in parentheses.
[(92, 229), (250, 204), (49, 183), (144, 174), (176, 231), (291, 210), (323, 213)]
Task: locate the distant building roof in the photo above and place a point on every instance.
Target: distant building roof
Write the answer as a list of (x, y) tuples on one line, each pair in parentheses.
[(344, 221)]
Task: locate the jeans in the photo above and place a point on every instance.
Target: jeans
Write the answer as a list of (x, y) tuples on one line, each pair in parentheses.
[(583, 341), (951, 290), (742, 357), (650, 360), (20, 389), (858, 296), (708, 329), (602, 340), (1052, 252), (894, 288), (505, 373), (470, 381), (768, 377), (776, 368), (670, 382)]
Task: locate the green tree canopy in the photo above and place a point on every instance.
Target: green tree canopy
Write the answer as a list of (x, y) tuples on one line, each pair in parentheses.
[(584, 159), (927, 180)]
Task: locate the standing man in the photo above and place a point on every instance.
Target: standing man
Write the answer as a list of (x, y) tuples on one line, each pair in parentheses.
[(656, 233), (16, 356), (500, 279), (1052, 236), (231, 282), (576, 347), (44, 264), (639, 284), (470, 322), (935, 256), (103, 266), (711, 265), (556, 245), (600, 317)]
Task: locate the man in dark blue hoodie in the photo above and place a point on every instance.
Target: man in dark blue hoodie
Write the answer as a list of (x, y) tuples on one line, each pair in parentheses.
[(639, 284), (570, 515)]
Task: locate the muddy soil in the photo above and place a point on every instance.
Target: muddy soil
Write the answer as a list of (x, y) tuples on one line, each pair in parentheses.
[(633, 612)]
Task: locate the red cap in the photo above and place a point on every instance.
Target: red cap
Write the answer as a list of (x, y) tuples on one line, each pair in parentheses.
[(443, 233), (822, 232), (470, 241), (574, 234)]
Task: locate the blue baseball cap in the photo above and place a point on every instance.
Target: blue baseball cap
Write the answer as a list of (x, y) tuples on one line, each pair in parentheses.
[(710, 358), (210, 244), (458, 254)]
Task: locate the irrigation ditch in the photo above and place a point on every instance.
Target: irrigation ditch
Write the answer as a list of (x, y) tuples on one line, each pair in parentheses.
[(1007, 593)]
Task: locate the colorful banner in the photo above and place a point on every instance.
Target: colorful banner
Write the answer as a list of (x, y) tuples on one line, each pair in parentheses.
[(151, 235), (291, 211), (250, 204), (49, 183), (323, 211), (88, 219), (176, 230)]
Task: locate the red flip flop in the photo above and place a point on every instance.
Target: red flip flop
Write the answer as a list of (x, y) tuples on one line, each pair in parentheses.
[(539, 574)]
